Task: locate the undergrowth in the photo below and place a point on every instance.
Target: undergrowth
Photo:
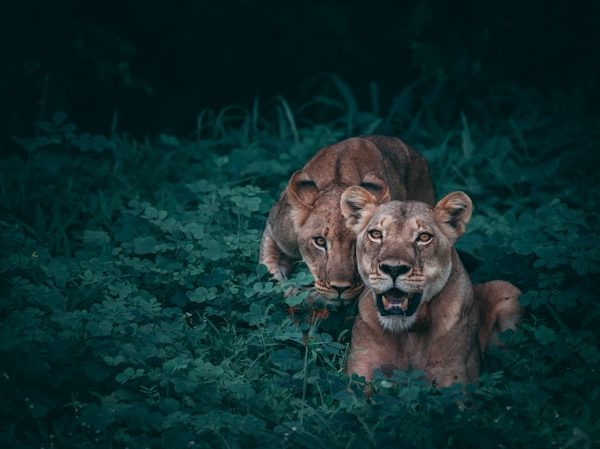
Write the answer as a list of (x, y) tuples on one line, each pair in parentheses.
[(134, 314)]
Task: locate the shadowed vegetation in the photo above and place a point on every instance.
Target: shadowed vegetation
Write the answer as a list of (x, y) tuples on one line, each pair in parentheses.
[(133, 312)]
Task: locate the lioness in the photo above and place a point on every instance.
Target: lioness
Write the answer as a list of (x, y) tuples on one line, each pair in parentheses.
[(418, 309), (306, 223)]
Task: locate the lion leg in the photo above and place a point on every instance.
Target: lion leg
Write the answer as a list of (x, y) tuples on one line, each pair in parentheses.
[(369, 351), (499, 310), (277, 262)]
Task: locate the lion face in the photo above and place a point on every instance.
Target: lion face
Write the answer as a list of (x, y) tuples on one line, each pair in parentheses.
[(327, 246), (404, 250)]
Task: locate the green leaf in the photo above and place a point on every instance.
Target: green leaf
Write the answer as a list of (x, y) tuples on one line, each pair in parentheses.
[(95, 238), (203, 294), (545, 335), (128, 374), (287, 359), (150, 212), (256, 316), (296, 298), (144, 245)]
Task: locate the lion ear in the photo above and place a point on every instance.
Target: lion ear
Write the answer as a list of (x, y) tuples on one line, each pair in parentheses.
[(302, 190), (358, 205), (377, 186), (453, 213)]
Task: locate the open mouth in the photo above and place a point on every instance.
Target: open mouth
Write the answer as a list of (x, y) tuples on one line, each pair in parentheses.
[(396, 302)]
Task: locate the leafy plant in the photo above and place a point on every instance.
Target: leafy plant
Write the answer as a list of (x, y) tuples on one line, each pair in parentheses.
[(134, 313)]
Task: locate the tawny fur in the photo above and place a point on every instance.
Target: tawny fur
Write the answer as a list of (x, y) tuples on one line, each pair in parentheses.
[(444, 343), (310, 207), (499, 310), (445, 336)]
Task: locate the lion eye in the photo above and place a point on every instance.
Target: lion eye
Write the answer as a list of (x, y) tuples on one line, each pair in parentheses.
[(320, 241), (375, 234), (424, 237)]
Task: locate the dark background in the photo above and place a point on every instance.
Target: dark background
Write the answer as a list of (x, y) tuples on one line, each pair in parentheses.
[(132, 310), (153, 66)]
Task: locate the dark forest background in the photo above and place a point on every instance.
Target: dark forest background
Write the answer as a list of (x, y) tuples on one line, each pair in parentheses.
[(142, 145), (153, 66)]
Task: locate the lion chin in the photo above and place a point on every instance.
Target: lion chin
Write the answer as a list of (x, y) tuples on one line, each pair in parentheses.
[(332, 297)]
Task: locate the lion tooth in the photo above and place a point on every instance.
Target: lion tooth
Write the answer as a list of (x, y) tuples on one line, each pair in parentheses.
[(404, 304), (385, 301)]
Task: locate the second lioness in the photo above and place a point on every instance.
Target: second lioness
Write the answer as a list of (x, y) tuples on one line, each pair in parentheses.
[(306, 223), (418, 309)]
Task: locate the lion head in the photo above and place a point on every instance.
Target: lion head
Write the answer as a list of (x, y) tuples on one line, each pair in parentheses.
[(327, 246), (404, 250)]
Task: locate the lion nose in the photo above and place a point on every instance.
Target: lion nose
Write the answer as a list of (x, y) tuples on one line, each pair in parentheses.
[(395, 270)]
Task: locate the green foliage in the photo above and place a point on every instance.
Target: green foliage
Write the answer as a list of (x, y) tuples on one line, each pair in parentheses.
[(134, 313)]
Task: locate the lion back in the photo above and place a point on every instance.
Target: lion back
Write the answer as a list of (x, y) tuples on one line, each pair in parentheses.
[(349, 162)]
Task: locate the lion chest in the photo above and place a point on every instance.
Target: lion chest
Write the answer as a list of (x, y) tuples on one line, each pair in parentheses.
[(445, 357), (410, 351)]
